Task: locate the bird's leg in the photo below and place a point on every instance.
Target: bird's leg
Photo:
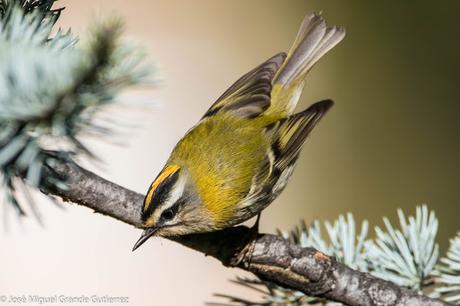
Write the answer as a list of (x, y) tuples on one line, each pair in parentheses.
[(253, 240), (245, 255), (255, 227)]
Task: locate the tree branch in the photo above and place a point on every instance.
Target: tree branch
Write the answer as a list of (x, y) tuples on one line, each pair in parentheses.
[(272, 257)]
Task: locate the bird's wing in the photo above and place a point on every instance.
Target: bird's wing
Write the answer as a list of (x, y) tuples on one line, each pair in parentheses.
[(288, 136), (250, 95), (291, 132)]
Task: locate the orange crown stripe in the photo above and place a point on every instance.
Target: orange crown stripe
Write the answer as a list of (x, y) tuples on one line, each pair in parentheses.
[(163, 175)]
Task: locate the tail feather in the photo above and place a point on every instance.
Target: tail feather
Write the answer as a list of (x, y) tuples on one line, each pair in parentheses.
[(308, 24), (313, 40)]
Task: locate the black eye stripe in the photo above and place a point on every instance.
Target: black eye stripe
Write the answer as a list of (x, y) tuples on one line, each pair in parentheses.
[(169, 213), (160, 194)]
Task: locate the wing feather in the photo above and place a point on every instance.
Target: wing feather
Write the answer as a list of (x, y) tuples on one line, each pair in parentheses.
[(288, 136), (250, 95)]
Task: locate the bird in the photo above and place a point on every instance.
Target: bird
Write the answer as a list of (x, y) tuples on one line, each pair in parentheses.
[(240, 155)]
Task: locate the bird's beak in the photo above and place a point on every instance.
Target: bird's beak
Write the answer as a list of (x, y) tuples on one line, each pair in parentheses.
[(145, 236)]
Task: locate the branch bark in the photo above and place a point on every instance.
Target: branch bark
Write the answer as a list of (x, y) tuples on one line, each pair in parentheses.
[(272, 258)]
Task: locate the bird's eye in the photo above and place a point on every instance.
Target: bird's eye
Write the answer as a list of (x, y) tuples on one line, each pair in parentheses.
[(167, 214)]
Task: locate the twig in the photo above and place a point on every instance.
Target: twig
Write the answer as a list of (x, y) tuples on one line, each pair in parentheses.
[(273, 259)]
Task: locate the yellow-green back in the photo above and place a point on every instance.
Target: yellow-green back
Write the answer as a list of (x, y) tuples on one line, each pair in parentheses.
[(222, 154)]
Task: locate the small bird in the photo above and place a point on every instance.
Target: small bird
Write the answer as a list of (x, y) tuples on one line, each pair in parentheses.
[(238, 158)]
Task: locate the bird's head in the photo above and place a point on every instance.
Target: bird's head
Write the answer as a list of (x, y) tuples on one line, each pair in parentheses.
[(172, 206)]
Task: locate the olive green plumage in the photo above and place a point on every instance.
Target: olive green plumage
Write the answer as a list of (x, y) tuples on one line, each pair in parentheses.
[(222, 176), (239, 156)]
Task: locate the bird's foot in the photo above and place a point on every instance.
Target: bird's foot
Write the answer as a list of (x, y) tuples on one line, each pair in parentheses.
[(245, 255)]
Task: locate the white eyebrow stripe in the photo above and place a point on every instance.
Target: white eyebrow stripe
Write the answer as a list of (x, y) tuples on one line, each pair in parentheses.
[(175, 194)]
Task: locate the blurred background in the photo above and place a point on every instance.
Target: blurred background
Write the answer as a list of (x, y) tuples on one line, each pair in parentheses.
[(391, 141)]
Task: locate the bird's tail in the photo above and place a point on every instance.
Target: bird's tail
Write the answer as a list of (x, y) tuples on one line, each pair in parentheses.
[(313, 40)]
